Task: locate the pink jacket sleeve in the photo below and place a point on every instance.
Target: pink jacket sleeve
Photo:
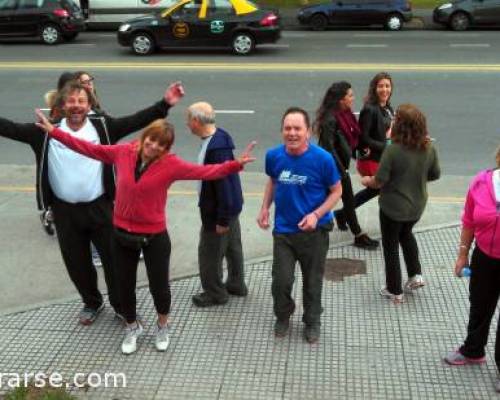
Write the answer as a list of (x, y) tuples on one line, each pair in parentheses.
[(104, 153), (184, 170)]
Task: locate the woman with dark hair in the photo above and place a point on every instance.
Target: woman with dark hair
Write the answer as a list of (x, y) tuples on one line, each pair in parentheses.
[(405, 168), (145, 170), (375, 121), (87, 81), (338, 133), (480, 224)]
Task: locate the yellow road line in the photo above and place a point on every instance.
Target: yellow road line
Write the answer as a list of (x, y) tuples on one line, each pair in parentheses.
[(30, 189), (190, 66)]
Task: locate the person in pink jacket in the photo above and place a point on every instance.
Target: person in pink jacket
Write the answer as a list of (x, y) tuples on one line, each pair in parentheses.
[(481, 223), (145, 169)]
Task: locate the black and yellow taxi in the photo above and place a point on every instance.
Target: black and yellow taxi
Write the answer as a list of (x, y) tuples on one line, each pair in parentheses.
[(237, 24)]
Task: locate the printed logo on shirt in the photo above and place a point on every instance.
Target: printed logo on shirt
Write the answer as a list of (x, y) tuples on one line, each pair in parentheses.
[(287, 178)]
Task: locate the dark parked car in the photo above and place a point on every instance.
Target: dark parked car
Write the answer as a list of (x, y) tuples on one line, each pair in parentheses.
[(389, 13), (238, 24), (52, 20), (461, 14)]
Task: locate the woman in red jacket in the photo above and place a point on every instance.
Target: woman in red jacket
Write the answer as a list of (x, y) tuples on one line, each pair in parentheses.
[(145, 169)]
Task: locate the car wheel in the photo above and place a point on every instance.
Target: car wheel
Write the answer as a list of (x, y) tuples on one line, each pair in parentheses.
[(143, 44), (243, 44), (318, 22), (50, 34), (459, 21), (70, 36), (394, 22)]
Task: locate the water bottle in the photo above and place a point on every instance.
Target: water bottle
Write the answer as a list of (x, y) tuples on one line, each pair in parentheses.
[(466, 272)]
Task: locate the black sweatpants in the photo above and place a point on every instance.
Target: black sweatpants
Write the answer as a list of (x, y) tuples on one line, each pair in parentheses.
[(484, 291), (348, 211), (157, 260), (77, 225), (309, 249), (395, 233)]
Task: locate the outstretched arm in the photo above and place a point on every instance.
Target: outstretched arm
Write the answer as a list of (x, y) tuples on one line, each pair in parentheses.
[(190, 171), (121, 127), (98, 152)]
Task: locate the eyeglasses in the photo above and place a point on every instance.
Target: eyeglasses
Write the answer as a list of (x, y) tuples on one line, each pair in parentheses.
[(87, 81)]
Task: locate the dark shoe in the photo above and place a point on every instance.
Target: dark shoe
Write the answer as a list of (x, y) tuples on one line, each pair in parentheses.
[(311, 333), (87, 315), (204, 300), (340, 220), (364, 241), (281, 327), (47, 221), (242, 292)]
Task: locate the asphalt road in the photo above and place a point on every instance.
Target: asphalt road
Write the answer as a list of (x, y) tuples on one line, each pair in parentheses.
[(453, 83)]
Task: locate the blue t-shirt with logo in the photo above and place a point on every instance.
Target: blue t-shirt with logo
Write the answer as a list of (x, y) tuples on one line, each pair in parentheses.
[(302, 183)]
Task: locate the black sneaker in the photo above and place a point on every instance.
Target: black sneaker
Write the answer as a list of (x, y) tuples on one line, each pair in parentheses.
[(340, 220), (205, 300), (281, 327), (311, 333), (241, 292), (363, 241), (47, 222)]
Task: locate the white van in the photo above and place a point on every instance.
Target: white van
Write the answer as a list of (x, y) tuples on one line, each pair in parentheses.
[(111, 13)]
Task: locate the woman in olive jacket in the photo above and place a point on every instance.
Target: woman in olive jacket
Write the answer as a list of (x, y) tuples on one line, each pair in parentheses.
[(338, 133)]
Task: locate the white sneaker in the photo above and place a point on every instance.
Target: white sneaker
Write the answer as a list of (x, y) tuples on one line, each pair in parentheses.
[(161, 337), (414, 283), (395, 298), (132, 333)]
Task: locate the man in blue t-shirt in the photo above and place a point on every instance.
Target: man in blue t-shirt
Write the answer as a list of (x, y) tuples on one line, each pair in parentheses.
[(304, 184)]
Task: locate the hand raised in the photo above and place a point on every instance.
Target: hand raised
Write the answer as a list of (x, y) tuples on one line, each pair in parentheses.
[(247, 157), (174, 93), (42, 121)]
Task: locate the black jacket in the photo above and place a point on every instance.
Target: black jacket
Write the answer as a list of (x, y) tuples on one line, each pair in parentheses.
[(220, 200), (373, 130), (109, 129), (332, 139)]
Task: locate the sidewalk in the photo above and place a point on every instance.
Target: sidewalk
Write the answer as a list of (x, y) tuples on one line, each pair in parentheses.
[(369, 348)]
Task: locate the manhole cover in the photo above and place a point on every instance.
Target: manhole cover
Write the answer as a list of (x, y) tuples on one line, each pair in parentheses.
[(338, 268)]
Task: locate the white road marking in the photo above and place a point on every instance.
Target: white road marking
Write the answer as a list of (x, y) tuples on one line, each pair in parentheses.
[(234, 111), (366, 46), (462, 35), (471, 45), (293, 35), (81, 45), (274, 46), (106, 35), (370, 35)]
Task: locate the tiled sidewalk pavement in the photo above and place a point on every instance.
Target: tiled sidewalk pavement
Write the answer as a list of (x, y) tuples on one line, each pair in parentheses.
[(369, 348)]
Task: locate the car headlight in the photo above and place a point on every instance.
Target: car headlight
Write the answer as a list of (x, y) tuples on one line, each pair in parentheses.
[(124, 28), (445, 6)]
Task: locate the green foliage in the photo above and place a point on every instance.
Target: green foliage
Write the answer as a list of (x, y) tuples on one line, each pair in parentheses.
[(33, 393), (299, 3)]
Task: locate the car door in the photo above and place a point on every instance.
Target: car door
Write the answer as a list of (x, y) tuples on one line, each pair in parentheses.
[(28, 16), (486, 12), (7, 11), (220, 22), (344, 12), (372, 12), (181, 27)]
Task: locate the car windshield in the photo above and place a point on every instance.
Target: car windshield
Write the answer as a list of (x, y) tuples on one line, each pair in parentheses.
[(70, 5)]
